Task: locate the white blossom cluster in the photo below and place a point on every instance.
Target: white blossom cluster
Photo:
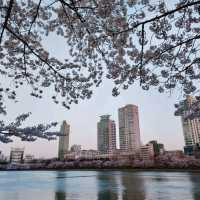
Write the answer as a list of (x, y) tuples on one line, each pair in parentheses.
[(188, 110), (155, 43)]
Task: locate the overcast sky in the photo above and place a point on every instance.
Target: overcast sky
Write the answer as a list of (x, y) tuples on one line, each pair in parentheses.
[(156, 111)]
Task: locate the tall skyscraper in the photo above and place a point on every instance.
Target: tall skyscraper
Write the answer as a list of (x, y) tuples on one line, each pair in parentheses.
[(129, 129), (106, 134), (191, 128), (63, 140)]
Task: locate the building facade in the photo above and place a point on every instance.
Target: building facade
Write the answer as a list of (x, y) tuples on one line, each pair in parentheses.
[(106, 135), (75, 148), (191, 128), (1, 156), (89, 154), (147, 152), (29, 158), (129, 129), (16, 155), (157, 147), (82, 154), (63, 140)]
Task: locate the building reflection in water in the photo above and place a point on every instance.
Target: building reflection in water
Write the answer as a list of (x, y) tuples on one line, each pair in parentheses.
[(107, 185), (133, 186), (76, 185), (60, 195), (60, 190), (195, 181), (120, 186)]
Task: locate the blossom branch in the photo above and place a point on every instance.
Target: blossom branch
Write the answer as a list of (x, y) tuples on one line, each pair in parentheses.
[(157, 17)]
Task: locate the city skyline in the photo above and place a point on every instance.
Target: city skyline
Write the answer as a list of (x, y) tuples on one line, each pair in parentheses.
[(84, 116)]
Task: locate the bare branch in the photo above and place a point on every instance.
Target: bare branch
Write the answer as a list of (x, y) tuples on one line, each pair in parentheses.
[(35, 16), (6, 19), (142, 52)]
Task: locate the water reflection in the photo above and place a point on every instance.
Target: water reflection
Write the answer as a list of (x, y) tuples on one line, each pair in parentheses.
[(60, 191), (195, 181), (133, 186), (99, 185), (120, 186), (167, 185), (60, 196), (75, 185), (107, 186)]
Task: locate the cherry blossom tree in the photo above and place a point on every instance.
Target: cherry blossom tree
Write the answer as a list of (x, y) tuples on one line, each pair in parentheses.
[(26, 134), (146, 42)]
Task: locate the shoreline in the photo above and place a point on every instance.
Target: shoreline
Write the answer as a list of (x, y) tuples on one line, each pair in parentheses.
[(110, 169)]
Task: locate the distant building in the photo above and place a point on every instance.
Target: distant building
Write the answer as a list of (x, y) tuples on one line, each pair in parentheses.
[(129, 129), (1, 156), (89, 154), (174, 153), (147, 152), (192, 150), (75, 148), (189, 150), (83, 154), (120, 154), (63, 140), (191, 128), (28, 158), (106, 135), (16, 155), (197, 151), (157, 147)]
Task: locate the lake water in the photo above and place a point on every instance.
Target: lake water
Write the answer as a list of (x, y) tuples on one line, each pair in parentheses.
[(99, 185)]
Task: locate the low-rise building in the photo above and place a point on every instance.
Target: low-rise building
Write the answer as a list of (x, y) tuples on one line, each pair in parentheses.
[(16, 155), (2, 157), (189, 150), (83, 154), (147, 152), (89, 154), (157, 147), (29, 158), (175, 153), (120, 154), (192, 150), (197, 151), (75, 148)]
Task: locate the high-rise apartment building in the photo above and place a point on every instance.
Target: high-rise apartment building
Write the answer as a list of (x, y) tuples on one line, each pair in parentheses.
[(63, 140), (129, 129), (106, 134), (191, 127)]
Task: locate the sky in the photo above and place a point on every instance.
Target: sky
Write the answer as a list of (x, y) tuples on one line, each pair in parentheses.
[(156, 114)]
